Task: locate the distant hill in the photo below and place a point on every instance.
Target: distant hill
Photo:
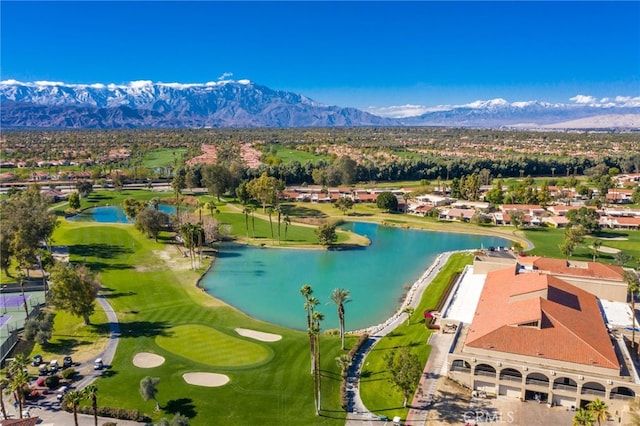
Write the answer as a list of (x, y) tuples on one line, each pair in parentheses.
[(146, 104), (143, 104)]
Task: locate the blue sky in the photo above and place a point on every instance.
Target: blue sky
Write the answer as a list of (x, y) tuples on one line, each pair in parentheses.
[(359, 54)]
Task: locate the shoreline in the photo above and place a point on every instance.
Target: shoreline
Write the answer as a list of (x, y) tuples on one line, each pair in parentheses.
[(414, 294)]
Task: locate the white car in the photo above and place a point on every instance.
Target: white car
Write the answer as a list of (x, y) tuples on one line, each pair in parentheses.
[(98, 365)]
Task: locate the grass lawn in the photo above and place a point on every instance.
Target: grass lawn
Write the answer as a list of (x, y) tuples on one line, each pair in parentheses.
[(162, 157), (378, 394), (288, 155), (161, 311), (547, 243)]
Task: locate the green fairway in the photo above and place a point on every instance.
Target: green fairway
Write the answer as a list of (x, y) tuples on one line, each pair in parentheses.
[(207, 345), (377, 393), (161, 311), (163, 157)]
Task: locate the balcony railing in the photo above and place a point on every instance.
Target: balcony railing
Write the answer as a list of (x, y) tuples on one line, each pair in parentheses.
[(484, 373), (568, 388), (621, 396), (511, 378), (536, 382), (588, 391), (460, 369)]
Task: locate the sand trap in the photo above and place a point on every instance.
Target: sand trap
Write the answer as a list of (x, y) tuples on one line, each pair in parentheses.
[(258, 335), (210, 380), (147, 360), (610, 250)]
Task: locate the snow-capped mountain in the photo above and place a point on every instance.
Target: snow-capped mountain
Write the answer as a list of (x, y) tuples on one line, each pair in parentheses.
[(245, 104), (501, 113), (146, 104)]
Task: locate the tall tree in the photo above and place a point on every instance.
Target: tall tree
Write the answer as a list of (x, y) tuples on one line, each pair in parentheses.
[(72, 400), (91, 393), (599, 409), (326, 234), (75, 290), (404, 371), (340, 296), (633, 286), (151, 222), (387, 201), (149, 389), (316, 319), (583, 417), (287, 222)]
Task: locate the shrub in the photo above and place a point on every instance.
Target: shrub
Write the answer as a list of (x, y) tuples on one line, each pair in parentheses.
[(68, 373), (52, 381)]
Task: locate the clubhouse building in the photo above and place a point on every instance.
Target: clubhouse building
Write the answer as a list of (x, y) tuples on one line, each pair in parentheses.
[(539, 333)]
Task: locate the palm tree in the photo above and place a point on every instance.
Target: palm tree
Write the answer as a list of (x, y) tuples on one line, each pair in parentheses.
[(155, 203), (287, 222), (72, 400), (22, 277), (279, 211), (633, 286), (19, 381), (270, 212), (149, 389), (595, 246), (246, 210), (583, 418), (4, 382), (344, 362), (316, 318), (409, 310), (599, 409), (211, 206), (91, 392), (340, 296)]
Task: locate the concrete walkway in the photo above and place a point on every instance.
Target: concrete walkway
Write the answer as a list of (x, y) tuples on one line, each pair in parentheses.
[(358, 414), (49, 410)]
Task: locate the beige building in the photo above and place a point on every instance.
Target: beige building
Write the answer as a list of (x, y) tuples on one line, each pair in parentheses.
[(536, 336)]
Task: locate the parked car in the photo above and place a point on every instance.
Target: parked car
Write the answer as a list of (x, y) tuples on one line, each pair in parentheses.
[(37, 360), (43, 370), (62, 392), (98, 365), (53, 367), (67, 362)]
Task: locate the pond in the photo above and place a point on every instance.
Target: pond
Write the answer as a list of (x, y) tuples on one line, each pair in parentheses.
[(112, 214), (265, 282)]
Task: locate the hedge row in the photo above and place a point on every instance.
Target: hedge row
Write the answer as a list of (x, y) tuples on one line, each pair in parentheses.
[(114, 413), (344, 402)]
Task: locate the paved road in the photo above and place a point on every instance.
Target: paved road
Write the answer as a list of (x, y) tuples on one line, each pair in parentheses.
[(49, 409), (358, 414)]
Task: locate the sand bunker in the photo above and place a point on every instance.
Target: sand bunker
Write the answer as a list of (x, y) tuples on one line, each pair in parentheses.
[(258, 335), (609, 250), (210, 380), (147, 360)]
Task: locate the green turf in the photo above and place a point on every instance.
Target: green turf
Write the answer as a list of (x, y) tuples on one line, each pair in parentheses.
[(377, 393), (163, 157), (154, 301), (209, 346), (547, 243)]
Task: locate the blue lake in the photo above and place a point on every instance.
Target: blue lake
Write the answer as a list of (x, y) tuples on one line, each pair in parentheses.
[(112, 214), (265, 282)]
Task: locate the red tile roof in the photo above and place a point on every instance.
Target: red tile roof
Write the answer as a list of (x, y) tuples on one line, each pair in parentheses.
[(571, 327), (576, 269)]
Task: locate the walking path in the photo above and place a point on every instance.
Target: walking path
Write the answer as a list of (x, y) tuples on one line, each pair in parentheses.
[(49, 410), (358, 414)]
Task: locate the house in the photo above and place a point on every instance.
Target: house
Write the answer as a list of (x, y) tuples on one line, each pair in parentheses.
[(620, 196), (535, 336), (556, 221), (621, 222), (463, 215)]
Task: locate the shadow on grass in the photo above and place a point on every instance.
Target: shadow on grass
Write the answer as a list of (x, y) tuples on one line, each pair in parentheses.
[(98, 197), (100, 250), (183, 406), (301, 211), (102, 266), (143, 329), (357, 214), (65, 346)]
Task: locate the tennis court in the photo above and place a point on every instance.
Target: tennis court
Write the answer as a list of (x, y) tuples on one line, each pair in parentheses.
[(13, 301)]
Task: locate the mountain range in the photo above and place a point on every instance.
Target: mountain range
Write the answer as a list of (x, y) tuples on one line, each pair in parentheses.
[(143, 104)]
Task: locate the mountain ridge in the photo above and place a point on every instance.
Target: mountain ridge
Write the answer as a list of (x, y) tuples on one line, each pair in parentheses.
[(242, 103)]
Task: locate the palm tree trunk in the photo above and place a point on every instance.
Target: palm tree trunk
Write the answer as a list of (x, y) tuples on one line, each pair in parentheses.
[(4, 409), (24, 299), (75, 414), (94, 404), (633, 320)]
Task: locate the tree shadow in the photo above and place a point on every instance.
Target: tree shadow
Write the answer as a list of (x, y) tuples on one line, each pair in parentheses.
[(183, 406), (99, 250), (302, 211), (134, 329), (101, 266), (65, 346)]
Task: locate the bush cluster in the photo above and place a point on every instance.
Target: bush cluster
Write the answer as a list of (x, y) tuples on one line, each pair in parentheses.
[(352, 353), (114, 413)]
